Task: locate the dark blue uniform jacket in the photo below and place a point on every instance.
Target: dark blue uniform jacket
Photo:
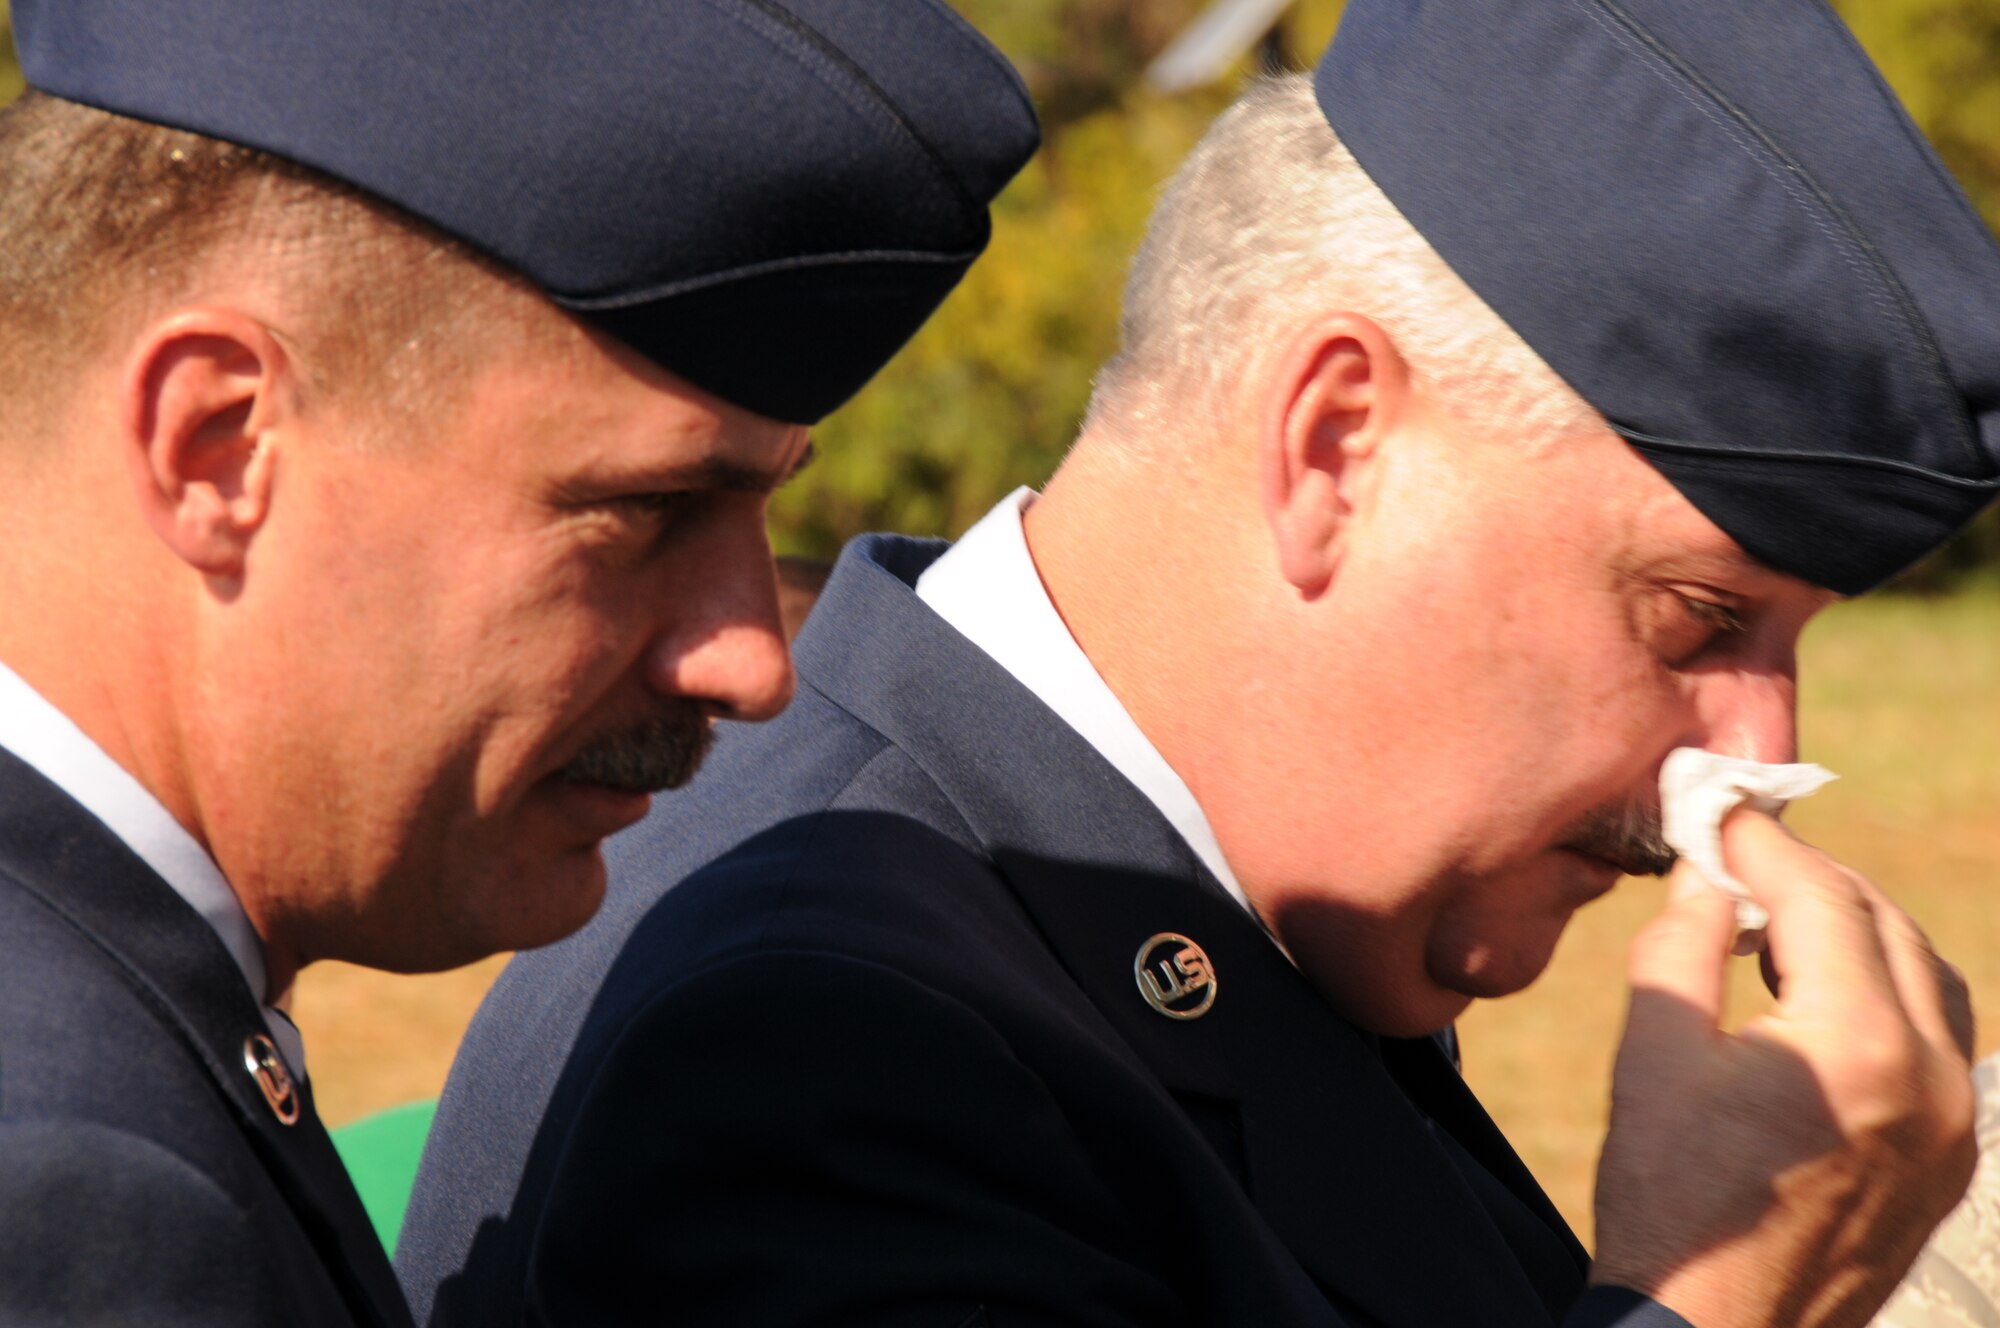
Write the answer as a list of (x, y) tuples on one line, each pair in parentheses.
[(144, 1179), (857, 1040)]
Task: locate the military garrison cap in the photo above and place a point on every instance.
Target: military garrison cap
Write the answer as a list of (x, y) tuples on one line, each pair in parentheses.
[(1715, 222), (767, 197)]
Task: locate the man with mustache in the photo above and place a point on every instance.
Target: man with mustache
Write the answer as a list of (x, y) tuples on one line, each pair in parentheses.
[(1494, 411), (392, 395), (663, 752)]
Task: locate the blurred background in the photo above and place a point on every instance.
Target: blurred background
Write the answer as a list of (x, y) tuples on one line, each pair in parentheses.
[(1900, 693)]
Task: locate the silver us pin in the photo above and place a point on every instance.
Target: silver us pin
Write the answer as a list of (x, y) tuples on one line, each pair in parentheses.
[(1175, 976), (267, 1067)]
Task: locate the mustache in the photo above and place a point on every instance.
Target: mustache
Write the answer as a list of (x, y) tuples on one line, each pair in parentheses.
[(662, 751), (1627, 834)]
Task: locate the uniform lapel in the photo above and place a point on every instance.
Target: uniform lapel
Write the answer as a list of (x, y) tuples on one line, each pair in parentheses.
[(177, 965), (1426, 1073), (1350, 1175)]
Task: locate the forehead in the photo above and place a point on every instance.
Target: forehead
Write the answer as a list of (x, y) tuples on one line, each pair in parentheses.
[(1592, 501), (564, 399), (1667, 537)]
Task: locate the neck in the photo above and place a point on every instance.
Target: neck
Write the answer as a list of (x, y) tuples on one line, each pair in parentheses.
[(1139, 556), (92, 628), (1165, 573)]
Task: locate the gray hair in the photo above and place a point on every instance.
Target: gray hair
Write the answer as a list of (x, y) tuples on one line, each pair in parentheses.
[(1271, 221)]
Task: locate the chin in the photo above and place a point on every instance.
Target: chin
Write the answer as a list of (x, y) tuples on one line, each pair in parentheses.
[(532, 900), (1401, 1013), (1484, 972), (1433, 1017), (536, 907)]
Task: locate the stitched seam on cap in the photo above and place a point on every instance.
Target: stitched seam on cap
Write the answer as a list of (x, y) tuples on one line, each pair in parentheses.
[(831, 59), (990, 53), (1695, 451), (1626, 31), (1924, 150), (1731, 467), (852, 258), (1849, 241)]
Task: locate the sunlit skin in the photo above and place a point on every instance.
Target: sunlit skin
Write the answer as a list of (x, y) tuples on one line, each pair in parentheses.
[(1400, 662), (1535, 638), (428, 631), (352, 650)]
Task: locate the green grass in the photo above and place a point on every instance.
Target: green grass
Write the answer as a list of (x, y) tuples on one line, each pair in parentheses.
[(1901, 698)]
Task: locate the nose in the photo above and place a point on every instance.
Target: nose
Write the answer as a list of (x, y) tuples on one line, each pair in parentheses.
[(723, 643), (1750, 711)]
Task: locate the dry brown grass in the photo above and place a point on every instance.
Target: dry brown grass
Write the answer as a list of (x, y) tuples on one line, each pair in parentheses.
[(375, 1040), (1902, 698)]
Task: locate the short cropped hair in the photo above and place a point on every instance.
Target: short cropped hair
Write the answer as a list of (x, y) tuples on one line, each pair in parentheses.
[(105, 218), (1270, 221)]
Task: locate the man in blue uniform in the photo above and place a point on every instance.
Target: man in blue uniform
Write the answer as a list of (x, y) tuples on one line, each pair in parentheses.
[(392, 393), (1494, 411)]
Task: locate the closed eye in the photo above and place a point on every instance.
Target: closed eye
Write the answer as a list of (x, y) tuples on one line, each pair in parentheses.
[(1718, 616), (656, 504)]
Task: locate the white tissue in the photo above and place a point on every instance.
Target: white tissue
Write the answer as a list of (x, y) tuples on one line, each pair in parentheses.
[(1699, 788)]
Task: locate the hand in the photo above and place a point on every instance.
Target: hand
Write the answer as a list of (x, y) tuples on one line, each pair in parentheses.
[(1788, 1173)]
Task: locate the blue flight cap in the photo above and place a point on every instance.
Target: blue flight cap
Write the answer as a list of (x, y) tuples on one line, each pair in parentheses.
[(1714, 221), (766, 197)]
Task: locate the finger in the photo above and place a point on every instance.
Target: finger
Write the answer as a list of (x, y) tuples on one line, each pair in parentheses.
[(1824, 940), (1748, 943), (1958, 1010), (1679, 972), (1933, 993), (1684, 951)]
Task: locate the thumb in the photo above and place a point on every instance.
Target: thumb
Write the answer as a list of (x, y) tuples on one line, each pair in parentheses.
[(1679, 972), (1684, 952)]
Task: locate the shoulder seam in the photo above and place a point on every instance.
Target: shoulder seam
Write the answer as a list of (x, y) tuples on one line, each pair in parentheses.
[(805, 849), (890, 745)]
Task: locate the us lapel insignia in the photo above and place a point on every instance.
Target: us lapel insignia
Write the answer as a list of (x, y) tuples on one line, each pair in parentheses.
[(1174, 976), (267, 1067)]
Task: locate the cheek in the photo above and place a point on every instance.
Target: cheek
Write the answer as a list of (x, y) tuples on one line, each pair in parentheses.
[(1577, 708), (427, 691), (1372, 967), (542, 665), (1498, 935)]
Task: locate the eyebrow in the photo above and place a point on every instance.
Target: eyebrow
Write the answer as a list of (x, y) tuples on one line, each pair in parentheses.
[(1739, 569), (735, 477)]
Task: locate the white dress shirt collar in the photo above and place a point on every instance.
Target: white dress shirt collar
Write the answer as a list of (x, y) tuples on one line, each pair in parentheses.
[(986, 586), (44, 737)]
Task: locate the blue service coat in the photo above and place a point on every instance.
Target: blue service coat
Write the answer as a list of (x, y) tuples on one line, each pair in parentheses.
[(857, 1040), (144, 1178)]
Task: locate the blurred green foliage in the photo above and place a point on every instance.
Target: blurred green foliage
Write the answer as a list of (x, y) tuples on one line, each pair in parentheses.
[(990, 393), (10, 69), (1942, 57)]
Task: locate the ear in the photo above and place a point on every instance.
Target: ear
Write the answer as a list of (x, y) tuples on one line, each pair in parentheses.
[(1335, 393), (200, 393)]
